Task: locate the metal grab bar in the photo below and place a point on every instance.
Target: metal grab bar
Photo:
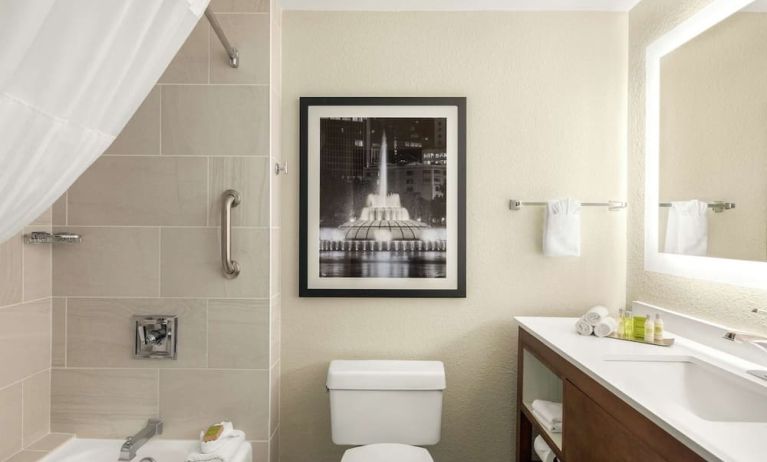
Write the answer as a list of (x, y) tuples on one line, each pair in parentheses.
[(612, 206), (231, 198)]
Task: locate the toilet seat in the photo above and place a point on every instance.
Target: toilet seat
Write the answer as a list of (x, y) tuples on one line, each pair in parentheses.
[(387, 452)]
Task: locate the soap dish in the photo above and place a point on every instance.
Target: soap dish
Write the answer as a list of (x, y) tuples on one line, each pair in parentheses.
[(666, 342)]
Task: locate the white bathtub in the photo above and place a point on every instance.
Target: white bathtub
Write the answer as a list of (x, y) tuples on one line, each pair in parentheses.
[(96, 450)]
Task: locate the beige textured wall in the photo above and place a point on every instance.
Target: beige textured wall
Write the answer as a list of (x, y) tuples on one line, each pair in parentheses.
[(546, 118), (713, 145), (148, 211), (25, 341), (717, 302)]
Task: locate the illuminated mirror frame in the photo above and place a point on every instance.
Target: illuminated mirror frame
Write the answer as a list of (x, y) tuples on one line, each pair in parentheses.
[(738, 272)]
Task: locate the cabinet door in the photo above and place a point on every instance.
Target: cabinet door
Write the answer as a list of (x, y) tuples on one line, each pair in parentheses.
[(592, 435)]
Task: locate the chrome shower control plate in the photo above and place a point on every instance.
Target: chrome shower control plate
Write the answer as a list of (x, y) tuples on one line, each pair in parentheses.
[(156, 336)]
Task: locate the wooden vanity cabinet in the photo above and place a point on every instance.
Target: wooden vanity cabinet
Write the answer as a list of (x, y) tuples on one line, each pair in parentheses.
[(597, 425)]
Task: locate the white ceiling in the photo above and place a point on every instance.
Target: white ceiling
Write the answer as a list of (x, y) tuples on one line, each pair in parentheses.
[(459, 5)]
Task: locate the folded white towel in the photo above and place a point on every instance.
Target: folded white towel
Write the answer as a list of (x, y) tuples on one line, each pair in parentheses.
[(233, 453), (584, 327), (551, 411), (605, 327), (543, 450), (553, 427), (562, 229), (223, 439), (595, 314), (687, 228)]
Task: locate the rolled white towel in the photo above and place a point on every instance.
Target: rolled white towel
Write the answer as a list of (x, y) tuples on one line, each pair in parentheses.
[(233, 453), (543, 450), (226, 448), (213, 446), (584, 327), (606, 327), (551, 411), (553, 427), (595, 314)]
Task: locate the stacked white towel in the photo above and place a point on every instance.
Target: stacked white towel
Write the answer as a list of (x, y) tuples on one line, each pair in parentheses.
[(562, 229), (596, 321), (229, 447), (543, 450), (548, 414)]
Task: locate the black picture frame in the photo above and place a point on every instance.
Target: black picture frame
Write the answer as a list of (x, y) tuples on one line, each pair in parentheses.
[(459, 291)]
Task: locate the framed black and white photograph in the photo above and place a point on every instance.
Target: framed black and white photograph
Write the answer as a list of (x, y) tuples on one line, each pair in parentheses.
[(383, 197)]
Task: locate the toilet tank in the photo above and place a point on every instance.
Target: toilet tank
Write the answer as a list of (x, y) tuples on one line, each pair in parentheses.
[(386, 401)]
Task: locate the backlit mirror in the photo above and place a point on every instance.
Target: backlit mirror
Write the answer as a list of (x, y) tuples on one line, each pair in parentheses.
[(706, 146)]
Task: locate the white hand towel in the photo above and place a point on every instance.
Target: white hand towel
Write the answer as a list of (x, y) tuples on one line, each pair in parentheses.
[(595, 314), (551, 411), (233, 453), (553, 427), (543, 450), (562, 229), (584, 327), (223, 439), (687, 228), (605, 327)]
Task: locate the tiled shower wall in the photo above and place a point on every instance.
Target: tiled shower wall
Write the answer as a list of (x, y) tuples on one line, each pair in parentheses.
[(149, 214), (25, 341)]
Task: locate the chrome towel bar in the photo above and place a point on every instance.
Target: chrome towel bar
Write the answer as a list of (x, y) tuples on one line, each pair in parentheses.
[(612, 206), (41, 237), (716, 206), (230, 198)]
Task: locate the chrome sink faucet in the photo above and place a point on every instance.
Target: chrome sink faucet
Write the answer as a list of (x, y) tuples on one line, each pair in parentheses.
[(134, 443), (758, 341)]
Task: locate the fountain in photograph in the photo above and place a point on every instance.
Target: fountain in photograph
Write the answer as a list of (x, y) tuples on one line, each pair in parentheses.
[(383, 224)]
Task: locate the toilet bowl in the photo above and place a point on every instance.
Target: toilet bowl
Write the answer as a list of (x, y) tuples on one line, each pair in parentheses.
[(386, 408)]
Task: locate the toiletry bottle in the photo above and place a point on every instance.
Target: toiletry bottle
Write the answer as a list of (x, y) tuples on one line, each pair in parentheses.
[(620, 331), (638, 322), (628, 323), (649, 330), (658, 328)]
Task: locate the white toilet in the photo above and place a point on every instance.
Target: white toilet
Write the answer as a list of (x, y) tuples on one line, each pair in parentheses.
[(386, 408)]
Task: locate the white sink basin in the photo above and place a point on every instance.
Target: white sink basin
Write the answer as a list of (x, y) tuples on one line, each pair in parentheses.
[(702, 389)]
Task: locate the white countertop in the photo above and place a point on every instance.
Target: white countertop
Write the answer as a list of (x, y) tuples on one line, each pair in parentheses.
[(713, 440)]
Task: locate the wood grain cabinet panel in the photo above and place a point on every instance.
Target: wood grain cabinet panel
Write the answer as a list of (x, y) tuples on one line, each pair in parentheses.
[(591, 434)]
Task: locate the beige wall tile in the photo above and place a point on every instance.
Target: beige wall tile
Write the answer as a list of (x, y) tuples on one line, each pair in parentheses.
[(37, 267), (10, 421), (141, 191), (238, 333), (250, 177), (109, 262), (239, 6), (58, 331), (50, 442), (275, 330), (37, 407), (25, 340), (45, 218), (100, 332), (190, 400), (142, 133), (191, 263), (190, 65), (59, 210), (274, 399), (103, 403), (215, 120), (27, 456), (249, 33), (10, 271), (260, 451)]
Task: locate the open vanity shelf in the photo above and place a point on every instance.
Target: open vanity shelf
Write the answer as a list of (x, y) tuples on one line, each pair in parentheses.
[(598, 426)]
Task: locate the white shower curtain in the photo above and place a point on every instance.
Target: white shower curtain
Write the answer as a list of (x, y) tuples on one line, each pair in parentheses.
[(72, 72)]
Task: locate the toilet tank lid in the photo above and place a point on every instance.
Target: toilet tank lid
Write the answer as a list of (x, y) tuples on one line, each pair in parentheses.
[(386, 375)]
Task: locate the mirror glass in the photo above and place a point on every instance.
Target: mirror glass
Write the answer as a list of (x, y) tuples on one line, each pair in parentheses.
[(713, 141)]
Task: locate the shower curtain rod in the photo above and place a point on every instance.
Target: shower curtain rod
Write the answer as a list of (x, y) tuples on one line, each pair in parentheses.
[(234, 55)]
